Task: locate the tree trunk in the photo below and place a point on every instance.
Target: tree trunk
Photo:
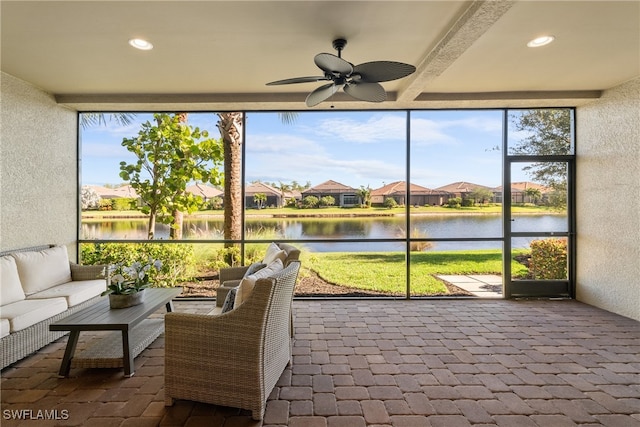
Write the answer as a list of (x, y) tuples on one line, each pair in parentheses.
[(176, 228), (230, 126), (152, 226)]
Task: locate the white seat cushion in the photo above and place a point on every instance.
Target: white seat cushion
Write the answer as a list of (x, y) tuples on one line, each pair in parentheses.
[(248, 283), (22, 314), (215, 311), (4, 327), (10, 287), (74, 292), (40, 270)]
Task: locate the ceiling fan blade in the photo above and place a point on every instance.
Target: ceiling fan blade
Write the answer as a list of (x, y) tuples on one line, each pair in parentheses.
[(371, 92), (297, 80), (333, 64), (383, 71), (320, 94)]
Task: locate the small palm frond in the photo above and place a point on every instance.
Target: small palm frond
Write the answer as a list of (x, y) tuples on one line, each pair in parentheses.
[(88, 120)]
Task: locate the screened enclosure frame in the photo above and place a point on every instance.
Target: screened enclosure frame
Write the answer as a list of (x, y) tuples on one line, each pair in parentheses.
[(511, 288)]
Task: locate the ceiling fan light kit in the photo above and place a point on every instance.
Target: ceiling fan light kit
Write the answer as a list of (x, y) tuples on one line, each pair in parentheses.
[(361, 82)]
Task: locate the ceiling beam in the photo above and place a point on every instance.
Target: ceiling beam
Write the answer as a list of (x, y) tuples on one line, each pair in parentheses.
[(479, 17)]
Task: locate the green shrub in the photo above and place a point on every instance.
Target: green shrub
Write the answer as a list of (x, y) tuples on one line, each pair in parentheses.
[(327, 201), (291, 202), (310, 202), (123, 204), (454, 202), (214, 203), (178, 260), (467, 203), (105, 204), (548, 259), (390, 202)]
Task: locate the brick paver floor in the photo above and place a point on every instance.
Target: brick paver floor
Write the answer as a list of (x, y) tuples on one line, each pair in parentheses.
[(439, 363)]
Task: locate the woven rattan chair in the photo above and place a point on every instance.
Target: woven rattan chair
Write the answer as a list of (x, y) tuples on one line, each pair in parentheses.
[(230, 277), (233, 359)]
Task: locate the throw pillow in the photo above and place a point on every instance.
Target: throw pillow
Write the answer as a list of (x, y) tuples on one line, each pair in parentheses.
[(254, 268), (43, 269), (274, 252), (229, 300), (248, 283), (11, 289)]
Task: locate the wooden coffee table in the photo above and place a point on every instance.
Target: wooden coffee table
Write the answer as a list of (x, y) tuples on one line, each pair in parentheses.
[(133, 332)]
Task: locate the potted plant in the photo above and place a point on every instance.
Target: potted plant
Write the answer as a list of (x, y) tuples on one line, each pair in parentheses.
[(126, 283)]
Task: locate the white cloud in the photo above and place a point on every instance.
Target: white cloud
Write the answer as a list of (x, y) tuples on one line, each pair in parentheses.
[(429, 132), (380, 127), (303, 166), (281, 143)]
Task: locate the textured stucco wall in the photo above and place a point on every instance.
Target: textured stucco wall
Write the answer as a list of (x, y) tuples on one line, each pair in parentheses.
[(608, 201), (38, 168)]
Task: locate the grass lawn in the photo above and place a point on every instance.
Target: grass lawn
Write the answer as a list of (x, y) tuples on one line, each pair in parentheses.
[(385, 272)]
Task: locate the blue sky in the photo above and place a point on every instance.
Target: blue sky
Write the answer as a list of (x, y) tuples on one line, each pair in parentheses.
[(354, 148)]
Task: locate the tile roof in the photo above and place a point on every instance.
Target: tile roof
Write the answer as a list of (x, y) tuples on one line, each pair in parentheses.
[(329, 187)]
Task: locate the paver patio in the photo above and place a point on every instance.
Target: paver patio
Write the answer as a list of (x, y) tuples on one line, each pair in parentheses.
[(381, 363)]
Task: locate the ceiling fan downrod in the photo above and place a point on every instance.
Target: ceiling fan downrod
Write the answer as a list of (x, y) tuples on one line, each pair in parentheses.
[(339, 44)]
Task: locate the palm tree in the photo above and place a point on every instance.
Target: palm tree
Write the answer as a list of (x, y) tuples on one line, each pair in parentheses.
[(283, 189), (260, 199), (365, 196), (230, 126)]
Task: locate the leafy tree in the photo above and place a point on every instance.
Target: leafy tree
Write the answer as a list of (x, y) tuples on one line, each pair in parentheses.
[(548, 132), (89, 199), (365, 196), (170, 154), (481, 195), (260, 199), (533, 194)]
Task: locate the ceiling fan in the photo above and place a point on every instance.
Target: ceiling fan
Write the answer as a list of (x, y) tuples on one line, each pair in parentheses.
[(359, 81)]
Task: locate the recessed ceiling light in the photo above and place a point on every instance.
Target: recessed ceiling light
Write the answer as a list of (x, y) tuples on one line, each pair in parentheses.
[(541, 41), (141, 44)]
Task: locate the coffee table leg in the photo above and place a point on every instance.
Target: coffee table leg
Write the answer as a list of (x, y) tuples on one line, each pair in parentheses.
[(65, 366), (170, 306), (127, 355)]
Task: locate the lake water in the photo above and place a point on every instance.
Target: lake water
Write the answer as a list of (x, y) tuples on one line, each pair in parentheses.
[(429, 226)]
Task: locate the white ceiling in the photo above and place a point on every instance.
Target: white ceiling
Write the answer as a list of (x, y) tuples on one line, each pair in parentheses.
[(219, 54)]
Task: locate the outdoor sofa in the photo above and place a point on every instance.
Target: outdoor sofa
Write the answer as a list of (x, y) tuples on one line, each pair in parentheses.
[(38, 287), (234, 358)]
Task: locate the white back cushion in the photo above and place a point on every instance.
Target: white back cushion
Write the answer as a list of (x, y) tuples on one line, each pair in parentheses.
[(274, 252), (41, 270), (10, 287), (248, 283)]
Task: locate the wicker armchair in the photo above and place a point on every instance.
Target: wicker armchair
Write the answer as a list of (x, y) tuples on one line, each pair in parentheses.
[(233, 359), (230, 277)]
